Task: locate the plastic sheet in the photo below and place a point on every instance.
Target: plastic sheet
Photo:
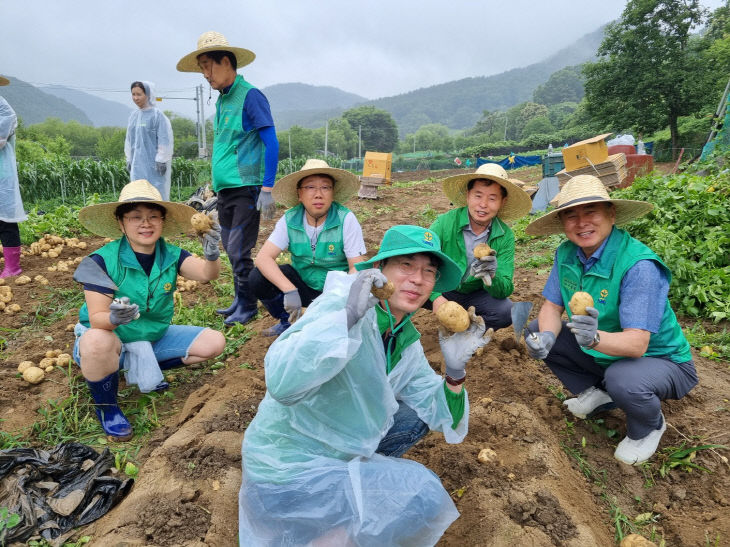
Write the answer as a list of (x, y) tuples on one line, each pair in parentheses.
[(54, 491)]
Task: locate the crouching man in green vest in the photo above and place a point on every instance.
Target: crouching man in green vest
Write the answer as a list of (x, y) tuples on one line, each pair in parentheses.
[(321, 234), (627, 350), (128, 287)]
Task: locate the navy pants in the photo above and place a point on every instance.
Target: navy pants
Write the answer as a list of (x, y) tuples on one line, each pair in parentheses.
[(239, 220), (9, 234), (263, 289)]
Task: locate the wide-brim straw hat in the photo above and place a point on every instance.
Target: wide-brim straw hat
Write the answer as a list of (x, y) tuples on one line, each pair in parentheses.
[(4, 81), (214, 41), (517, 204), (99, 219), (582, 190), (346, 184)]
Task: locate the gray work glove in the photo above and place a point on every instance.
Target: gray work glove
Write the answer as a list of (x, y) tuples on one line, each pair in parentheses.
[(160, 167), (457, 348), (266, 205), (360, 299), (122, 312), (485, 268), (584, 326), (129, 166), (210, 240), (539, 344), (293, 304)]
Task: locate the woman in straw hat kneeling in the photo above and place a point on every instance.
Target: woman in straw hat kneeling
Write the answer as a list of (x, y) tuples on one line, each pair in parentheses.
[(627, 349), (486, 200), (321, 234), (349, 390), (128, 287)]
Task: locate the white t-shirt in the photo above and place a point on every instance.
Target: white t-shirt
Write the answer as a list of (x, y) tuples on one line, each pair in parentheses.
[(352, 239)]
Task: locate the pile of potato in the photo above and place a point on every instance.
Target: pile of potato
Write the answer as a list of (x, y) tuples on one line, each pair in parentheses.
[(185, 284), (64, 265), (50, 246), (6, 295), (34, 374)]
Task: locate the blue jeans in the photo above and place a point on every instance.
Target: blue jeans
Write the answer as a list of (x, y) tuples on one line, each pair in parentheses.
[(406, 431)]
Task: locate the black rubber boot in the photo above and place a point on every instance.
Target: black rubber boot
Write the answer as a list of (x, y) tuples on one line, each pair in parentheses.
[(112, 419), (275, 307), (246, 308), (230, 309)]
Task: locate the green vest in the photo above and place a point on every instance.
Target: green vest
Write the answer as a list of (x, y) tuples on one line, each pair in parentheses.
[(238, 155), (603, 283), (329, 252), (153, 293)]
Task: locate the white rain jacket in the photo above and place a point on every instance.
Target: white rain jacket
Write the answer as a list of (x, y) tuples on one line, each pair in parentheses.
[(11, 205), (309, 462), (149, 142)]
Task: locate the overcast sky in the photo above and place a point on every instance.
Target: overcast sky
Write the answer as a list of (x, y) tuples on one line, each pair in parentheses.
[(374, 48)]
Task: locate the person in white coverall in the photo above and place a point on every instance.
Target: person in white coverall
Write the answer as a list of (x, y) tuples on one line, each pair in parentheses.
[(349, 390), (149, 144)]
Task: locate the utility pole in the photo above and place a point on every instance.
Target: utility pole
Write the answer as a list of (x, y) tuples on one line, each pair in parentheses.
[(291, 168), (326, 134), (505, 127), (359, 142), (202, 124)]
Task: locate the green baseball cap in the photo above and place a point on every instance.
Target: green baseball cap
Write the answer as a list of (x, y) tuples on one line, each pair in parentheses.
[(407, 240)]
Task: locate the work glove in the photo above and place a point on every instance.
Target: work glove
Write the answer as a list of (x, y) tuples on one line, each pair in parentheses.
[(457, 348), (129, 166), (210, 240), (122, 312), (293, 304), (360, 299), (266, 205), (584, 326), (539, 344), (160, 167), (485, 268)]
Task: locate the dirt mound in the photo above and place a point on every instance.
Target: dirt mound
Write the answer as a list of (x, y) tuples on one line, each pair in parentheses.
[(552, 479)]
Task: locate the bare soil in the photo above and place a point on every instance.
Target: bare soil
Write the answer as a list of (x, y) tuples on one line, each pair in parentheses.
[(553, 482)]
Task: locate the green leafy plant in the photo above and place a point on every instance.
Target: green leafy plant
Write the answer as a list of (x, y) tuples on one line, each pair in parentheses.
[(7, 520), (681, 458)]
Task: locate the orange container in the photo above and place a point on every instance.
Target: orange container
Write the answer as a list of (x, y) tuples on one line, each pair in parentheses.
[(585, 153), (377, 164), (636, 165)]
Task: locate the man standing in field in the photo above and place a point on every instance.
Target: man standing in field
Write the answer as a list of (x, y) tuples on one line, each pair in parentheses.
[(245, 157)]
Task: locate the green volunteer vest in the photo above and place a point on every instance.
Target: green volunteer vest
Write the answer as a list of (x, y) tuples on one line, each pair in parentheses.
[(238, 155), (329, 252), (603, 283), (153, 293)]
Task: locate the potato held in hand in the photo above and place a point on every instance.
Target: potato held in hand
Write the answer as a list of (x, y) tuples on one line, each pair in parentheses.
[(384, 292), (579, 302), (453, 316), (483, 250), (201, 222)]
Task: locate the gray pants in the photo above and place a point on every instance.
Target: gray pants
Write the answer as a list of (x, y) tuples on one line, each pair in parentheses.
[(637, 386), (495, 311)]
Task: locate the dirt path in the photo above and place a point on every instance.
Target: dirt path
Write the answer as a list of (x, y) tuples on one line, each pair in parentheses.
[(553, 480)]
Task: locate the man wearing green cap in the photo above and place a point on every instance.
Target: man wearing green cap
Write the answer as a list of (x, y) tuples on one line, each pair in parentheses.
[(349, 390)]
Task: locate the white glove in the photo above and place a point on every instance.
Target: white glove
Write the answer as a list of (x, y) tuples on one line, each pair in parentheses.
[(122, 312), (485, 268), (458, 348), (266, 205), (360, 299), (293, 304), (584, 326)]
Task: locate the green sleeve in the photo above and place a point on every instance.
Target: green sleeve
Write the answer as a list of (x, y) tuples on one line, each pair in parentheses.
[(455, 401)]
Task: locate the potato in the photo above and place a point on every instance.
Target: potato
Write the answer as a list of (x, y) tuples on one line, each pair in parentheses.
[(53, 353), (52, 254), (24, 365), (63, 360), (70, 327), (483, 250), (22, 280), (201, 222), (12, 308), (6, 293), (486, 455), (453, 316), (33, 375), (384, 292), (579, 301), (82, 245), (2, 281), (635, 540), (47, 362)]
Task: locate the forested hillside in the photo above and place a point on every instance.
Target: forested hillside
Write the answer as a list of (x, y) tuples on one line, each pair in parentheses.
[(34, 105)]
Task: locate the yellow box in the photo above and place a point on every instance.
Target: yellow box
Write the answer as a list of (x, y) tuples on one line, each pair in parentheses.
[(377, 164), (585, 153)]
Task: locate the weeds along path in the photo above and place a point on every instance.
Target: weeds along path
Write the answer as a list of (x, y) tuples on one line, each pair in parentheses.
[(552, 479)]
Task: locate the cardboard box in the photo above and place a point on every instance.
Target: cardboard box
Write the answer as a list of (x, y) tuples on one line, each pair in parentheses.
[(585, 153), (377, 164)]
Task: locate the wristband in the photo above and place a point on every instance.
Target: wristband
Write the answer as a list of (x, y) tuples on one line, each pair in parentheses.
[(452, 382)]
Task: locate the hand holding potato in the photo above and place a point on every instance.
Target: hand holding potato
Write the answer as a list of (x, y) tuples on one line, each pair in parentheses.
[(584, 327), (209, 234), (484, 266), (458, 348)]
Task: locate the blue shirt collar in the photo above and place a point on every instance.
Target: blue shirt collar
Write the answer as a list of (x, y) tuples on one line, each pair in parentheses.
[(595, 257)]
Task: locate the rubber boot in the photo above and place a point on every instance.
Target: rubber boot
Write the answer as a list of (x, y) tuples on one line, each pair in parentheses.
[(230, 309), (12, 262), (113, 421), (275, 307), (246, 308)]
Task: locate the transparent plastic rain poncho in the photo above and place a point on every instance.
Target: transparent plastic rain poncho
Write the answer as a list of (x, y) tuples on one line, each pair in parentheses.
[(309, 465), (11, 205), (149, 141)]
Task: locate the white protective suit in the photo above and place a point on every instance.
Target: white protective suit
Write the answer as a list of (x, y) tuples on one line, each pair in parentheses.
[(149, 142), (11, 205), (309, 462)]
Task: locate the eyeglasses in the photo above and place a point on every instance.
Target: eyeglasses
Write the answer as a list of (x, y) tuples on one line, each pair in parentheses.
[(408, 267), (137, 220), (313, 189)]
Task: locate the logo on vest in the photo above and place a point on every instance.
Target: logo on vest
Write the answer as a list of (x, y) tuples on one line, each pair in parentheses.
[(167, 287), (331, 249), (604, 294)]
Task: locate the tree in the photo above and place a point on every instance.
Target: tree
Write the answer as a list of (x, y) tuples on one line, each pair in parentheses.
[(649, 74), (565, 85), (379, 130), (110, 145)]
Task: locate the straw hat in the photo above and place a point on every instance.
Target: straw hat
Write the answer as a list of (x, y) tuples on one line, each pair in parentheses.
[(346, 184), (213, 41), (581, 190), (99, 219), (4, 81), (516, 206)]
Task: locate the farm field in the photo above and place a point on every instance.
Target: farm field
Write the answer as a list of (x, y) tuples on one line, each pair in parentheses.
[(552, 481)]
